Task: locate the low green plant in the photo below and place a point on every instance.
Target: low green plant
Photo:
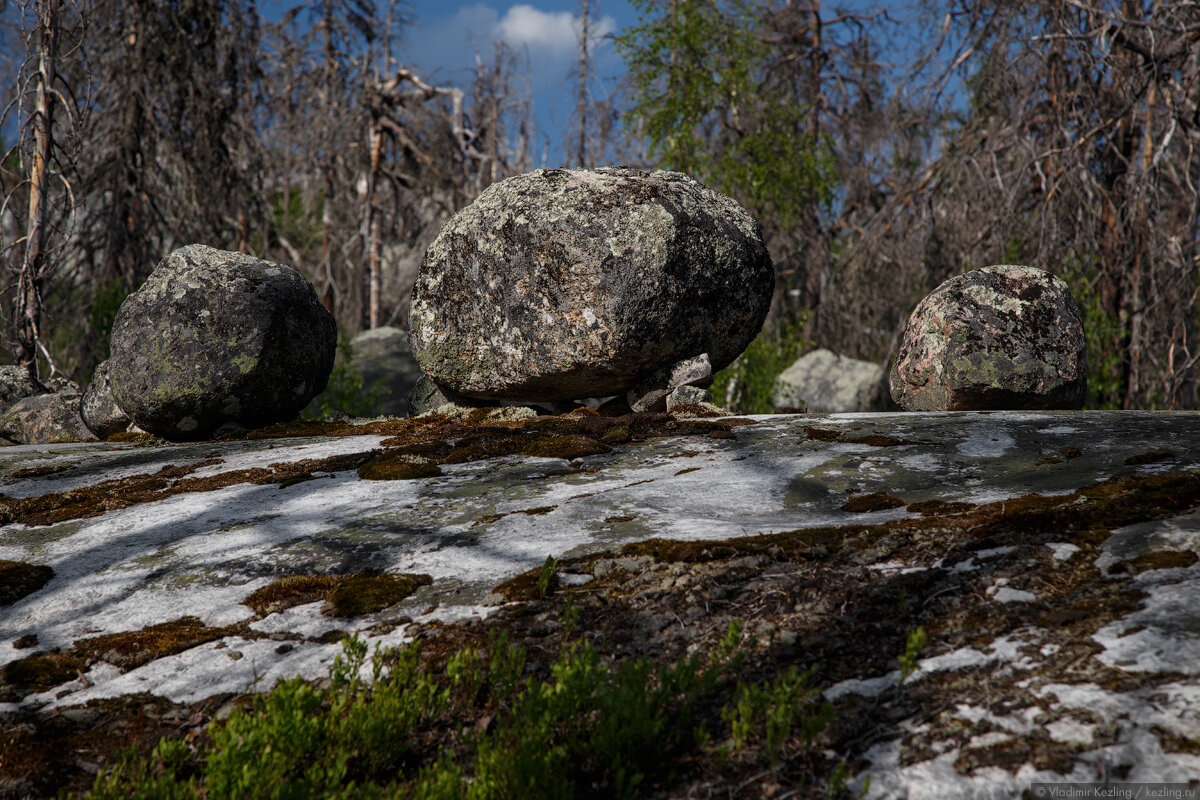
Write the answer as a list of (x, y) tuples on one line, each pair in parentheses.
[(913, 645), (547, 577), (345, 393), (1103, 332), (773, 710), (593, 727)]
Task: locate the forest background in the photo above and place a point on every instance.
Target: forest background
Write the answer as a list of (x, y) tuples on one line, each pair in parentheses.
[(883, 149)]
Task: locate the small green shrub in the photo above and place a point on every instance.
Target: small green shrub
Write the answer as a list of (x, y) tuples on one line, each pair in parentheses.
[(913, 646), (593, 727)]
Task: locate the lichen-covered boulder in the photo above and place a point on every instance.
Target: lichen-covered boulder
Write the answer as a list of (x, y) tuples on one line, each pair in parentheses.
[(560, 284), (100, 411), (1001, 337), (45, 418), (15, 384), (823, 382), (216, 338), (384, 359)]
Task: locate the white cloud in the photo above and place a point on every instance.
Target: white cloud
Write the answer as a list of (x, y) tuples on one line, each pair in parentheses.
[(548, 38), (553, 31)]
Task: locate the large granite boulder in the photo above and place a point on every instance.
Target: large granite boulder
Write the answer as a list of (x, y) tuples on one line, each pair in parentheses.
[(45, 418), (216, 338), (15, 384), (1001, 337), (560, 284), (384, 359), (824, 382), (99, 410)]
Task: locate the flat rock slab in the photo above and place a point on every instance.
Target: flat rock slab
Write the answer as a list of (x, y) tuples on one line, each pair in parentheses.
[(479, 523)]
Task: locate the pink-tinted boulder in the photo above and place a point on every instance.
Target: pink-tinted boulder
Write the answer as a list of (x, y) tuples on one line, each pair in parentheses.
[(1001, 337)]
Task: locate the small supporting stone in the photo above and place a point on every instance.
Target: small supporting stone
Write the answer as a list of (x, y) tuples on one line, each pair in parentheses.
[(687, 396), (651, 393), (428, 396)]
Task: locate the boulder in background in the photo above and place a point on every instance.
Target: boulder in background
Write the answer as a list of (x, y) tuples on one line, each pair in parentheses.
[(823, 382), (384, 359), (45, 418)]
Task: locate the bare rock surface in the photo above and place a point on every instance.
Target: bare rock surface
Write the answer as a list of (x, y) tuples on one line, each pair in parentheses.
[(385, 360), (562, 284), (823, 382), (99, 410), (45, 418), (217, 338), (1051, 558), (1001, 337)]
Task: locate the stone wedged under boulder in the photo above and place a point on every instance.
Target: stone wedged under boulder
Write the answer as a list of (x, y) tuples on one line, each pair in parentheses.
[(45, 418), (1001, 337), (215, 338), (384, 359), (99, 410), (823, 382), (561, 284)]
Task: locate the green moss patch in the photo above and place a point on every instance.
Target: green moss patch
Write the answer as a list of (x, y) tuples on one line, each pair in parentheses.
[(849, 437), (1154, 457), (41, 671), (19, 579), (366, 593), (345, 595), (131, 649), (935, 508), (1162, 559), (40, 472), (294, 590), (391, 466), (876, 501)]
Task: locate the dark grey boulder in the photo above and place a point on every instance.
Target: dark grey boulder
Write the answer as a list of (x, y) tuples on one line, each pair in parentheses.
[(561, 284), (384, 359), (215, 338), (45, 418), (1001, 337), (100, 411), (15, 384)]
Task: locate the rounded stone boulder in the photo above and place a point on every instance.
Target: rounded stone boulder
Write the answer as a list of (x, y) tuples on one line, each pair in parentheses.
[(560, 284), (1001, 337), (215, 338)]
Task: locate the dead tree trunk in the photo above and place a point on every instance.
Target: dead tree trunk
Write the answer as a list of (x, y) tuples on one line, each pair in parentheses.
[(581, 148), (28, 317)]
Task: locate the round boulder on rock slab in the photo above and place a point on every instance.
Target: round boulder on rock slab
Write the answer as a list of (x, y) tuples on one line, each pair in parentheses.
[(215, 338), (823, 382), (560, 284), (100, 411), (1001, 337)]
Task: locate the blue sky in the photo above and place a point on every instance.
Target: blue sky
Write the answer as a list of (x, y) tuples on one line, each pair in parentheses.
[(448, 34)]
